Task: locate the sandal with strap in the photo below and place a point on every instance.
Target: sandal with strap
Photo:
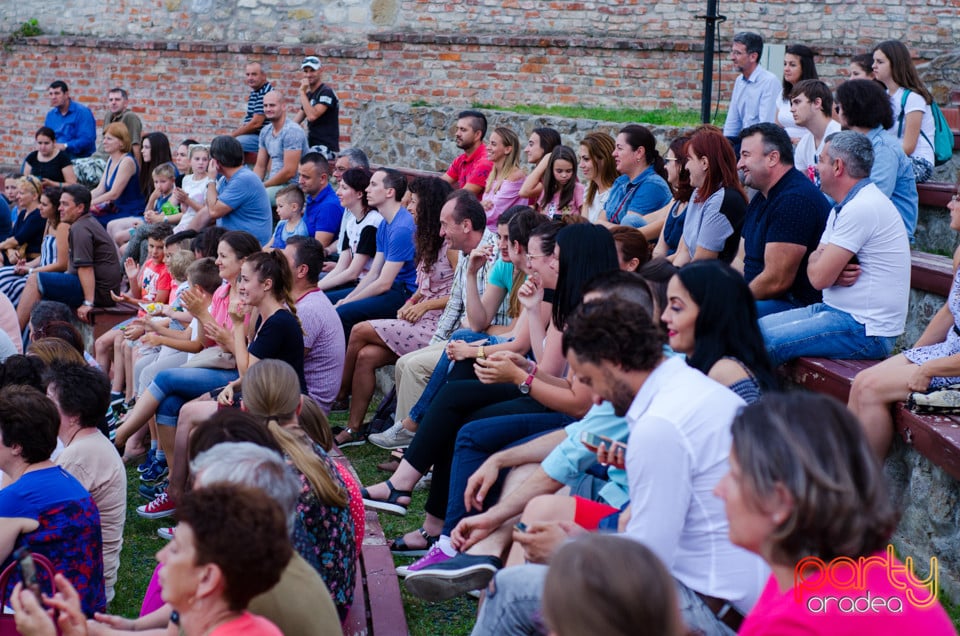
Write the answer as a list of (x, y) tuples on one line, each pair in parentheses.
[(390, 504), (354, 438), (399, 547)]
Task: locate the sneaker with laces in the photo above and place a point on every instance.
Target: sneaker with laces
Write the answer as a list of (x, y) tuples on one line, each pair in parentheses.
[(157, 471), (165, 533), (160, 507), (452, 577), (151, 457), (433, 556), (150, 492), (394, 437)]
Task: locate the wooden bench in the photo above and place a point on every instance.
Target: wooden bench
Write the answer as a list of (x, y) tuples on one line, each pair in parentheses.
[(377, 606), (935, 195), (936, 437), (103, 319)]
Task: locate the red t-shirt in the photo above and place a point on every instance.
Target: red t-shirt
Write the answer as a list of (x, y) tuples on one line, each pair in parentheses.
[(473, 169), (247, 625)]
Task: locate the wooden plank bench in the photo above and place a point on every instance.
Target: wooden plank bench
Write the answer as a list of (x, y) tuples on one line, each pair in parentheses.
[(935, 195), (936, 437), (377, 606)]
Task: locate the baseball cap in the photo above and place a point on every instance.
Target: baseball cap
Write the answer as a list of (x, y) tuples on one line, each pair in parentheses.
[(312, 61)]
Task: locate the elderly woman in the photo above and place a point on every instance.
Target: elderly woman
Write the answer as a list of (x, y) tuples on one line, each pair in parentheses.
[(806, 493), (230, 545), (44, 508)]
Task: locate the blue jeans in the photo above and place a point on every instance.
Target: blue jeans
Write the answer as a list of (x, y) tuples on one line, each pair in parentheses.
[(480, 439), (514, 598), (249, 143), (775, 306), (822, 331), (175, 387), (386, 305), (442, 370)]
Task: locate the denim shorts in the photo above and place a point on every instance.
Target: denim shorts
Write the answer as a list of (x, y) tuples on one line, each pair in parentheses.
[(62, 287)]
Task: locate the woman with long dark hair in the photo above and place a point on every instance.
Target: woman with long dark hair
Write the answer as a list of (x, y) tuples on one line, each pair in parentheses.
[(155, 151), (377, 343), (718, 205), (678, 177), (712, 319), (798, 65), (511, 395)]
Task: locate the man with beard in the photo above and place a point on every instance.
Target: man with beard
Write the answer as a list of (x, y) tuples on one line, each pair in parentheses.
[(470, 170)]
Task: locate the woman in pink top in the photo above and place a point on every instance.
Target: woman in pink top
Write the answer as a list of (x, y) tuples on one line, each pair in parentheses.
[(506, 177), (806, 493)]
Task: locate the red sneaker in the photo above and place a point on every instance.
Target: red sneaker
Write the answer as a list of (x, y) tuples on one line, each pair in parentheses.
[(160, 507)]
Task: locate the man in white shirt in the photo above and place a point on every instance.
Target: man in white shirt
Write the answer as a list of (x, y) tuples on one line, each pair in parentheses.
[(677, 451), (862, 266), (755, 91), (811, 104)]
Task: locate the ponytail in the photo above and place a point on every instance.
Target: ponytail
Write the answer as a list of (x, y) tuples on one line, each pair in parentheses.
[(306, 461)]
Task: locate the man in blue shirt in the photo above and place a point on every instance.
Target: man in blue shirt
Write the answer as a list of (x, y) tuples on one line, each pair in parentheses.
[(71, 121), (322, 210), (392, 278), (755, 91), (237, 199)]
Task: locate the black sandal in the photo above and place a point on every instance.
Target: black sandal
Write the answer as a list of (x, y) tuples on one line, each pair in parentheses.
[(399, 547), (390, 504)]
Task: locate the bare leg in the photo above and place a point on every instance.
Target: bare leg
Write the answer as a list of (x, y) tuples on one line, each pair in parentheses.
[(369, 359), (119, 366), (29, 298), (497, 543), (404, 478), (143, 410), (872, 395), (191, 414), (103, 350), (543, 508)]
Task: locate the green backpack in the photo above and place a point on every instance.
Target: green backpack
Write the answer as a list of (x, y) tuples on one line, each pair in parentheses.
[(942, 135)]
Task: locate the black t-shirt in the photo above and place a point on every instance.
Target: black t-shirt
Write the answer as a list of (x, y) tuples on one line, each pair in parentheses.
[(280, 338), (325, 131), (52, 169)]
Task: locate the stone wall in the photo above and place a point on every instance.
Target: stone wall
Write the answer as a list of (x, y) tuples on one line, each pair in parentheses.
[(927, 24)]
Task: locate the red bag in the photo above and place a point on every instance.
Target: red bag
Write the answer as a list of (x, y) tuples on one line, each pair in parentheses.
[(8, 626)]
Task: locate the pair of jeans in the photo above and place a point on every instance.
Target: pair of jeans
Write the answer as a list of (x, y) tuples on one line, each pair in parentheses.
[(385, 305), (515, 596), (175, 387), (442, 370), (480, 439), (823, 331), (458, 402), (775, 306)]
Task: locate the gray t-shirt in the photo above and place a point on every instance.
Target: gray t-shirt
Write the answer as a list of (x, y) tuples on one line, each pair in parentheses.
[(291, 137)]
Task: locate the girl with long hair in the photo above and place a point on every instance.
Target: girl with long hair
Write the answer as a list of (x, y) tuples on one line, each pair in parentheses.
[(678, 177), (562, 192), (798, 65), (910, 99), (53, 249)]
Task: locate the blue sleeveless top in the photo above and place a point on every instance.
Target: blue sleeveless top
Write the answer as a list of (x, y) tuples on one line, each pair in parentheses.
[(131, 201)]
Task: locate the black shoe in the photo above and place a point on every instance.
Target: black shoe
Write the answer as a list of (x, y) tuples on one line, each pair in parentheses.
[(453, 577)]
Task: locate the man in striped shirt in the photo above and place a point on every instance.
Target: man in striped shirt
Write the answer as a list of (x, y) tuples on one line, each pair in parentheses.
[(248, 134)]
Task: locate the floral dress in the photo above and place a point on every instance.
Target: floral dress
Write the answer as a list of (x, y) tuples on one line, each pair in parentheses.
[(949, 347), (401, 336), (324, 536)]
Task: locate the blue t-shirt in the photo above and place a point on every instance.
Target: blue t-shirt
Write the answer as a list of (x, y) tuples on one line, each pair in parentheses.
[(645, 194), (250, 206), (69, 531), (323, 213), (395, 240), (280, 235)]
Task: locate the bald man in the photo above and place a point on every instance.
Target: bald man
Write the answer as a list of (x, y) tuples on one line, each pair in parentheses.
[(282, 143)]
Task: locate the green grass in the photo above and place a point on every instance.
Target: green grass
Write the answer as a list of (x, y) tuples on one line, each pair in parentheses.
[(141, 543), (657, 117)]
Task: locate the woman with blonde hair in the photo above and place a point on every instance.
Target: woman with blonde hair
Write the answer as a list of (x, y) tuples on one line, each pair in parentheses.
[(118, 194), (506, 176), (324, 533), (600, 171)]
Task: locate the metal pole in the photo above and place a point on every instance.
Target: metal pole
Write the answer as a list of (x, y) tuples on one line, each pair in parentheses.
[(711, 18)]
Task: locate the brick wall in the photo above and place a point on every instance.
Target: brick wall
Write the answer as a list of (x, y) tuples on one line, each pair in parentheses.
[(196, 88)]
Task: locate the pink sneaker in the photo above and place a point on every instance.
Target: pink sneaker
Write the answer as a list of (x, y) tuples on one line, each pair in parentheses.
[(433, 557), (160, 507)]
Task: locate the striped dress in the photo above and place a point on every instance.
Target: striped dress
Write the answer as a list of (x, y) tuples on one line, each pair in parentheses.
[(12, 285)]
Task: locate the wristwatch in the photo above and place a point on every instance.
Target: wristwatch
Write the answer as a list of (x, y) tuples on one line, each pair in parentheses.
[(88, 303), (524, 386)]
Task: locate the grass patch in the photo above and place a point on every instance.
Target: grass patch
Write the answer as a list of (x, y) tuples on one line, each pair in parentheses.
[(141, 543), (657, 117)]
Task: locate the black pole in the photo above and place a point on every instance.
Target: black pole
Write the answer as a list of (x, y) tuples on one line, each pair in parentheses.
[(711, 18)]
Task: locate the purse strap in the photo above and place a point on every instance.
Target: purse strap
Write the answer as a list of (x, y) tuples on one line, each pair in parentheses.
[(42, 563)]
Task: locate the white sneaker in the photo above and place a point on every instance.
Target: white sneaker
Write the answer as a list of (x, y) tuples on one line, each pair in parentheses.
[(394, 437)]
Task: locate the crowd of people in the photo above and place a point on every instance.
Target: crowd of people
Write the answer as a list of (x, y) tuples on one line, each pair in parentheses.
[(576, 356)]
